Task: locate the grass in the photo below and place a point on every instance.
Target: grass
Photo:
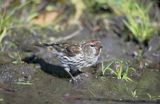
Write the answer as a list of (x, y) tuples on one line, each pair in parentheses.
[(9, 20), (137, 19), (4, 25), (105, 68), (5, 21), (3, 34), (134, 93), (139, 24), (17, 57), (153, 97), (120, 70)]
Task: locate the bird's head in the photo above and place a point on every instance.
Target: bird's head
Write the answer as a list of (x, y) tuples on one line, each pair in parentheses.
[(92, 47)]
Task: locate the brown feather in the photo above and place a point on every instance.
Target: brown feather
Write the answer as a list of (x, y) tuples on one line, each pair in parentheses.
[(72, 50)]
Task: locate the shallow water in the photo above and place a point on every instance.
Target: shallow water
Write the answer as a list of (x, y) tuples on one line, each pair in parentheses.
[(47, 89)]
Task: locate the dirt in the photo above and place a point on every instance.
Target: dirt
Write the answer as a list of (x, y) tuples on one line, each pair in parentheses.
[(49, 83)]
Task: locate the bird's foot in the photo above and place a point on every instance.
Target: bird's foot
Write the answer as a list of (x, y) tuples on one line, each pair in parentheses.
[(77, 79)]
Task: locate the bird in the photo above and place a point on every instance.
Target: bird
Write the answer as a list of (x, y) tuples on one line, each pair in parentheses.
[(73, 57)]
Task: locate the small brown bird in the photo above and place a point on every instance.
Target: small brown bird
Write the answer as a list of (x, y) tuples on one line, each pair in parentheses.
[(73, 57)]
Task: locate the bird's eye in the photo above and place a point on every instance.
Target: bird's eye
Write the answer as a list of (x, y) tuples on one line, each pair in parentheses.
[(92, 45)]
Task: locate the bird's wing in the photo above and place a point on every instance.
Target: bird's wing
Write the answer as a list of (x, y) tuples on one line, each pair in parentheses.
[(67, 49), (72, 50)]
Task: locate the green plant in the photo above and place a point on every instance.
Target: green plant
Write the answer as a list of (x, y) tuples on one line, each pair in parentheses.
[(3, 34), (17, 57), (140, 26), (4, 24), (105, 68), (153, 97), (138, 22), (120, 70), (8, 20), (4, 21), (137, 19), (134, 93)]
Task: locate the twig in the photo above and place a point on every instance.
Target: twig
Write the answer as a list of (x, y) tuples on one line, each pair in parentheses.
[(70, 36)]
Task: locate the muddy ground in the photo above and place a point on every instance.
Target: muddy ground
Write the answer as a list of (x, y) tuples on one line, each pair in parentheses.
[(26, 78)]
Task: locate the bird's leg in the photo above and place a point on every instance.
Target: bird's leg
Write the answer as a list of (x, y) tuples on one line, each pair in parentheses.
[(78, 74), (67, 69)]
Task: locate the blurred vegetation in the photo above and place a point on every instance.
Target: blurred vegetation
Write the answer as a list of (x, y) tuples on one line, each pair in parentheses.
[(137, 17), (138, 21), (60, 14), (151, 97), (8, 17), (1, 99)]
